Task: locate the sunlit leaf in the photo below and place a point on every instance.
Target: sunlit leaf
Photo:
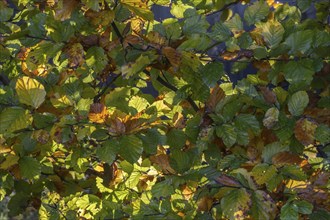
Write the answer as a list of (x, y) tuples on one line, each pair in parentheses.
[(30, 91), (13, 119), (140, 8)]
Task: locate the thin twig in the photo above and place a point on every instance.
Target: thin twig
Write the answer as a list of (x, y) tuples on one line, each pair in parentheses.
[(107, 85), (173, 88), (223, 8)]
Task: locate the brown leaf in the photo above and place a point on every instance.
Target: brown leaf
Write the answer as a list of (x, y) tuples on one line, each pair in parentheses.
[(97, 113), (65, 9), (205, 204), (262, 66), (304, 131), (178, 120), (269, 95), (227, 181), (283, 158), (117, 126), (217, 94), (162, 160), (173, 56), (76, 55)]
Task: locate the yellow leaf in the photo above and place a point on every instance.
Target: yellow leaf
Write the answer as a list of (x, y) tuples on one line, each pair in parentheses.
[(140, 8), (30, 91), (10, 161)]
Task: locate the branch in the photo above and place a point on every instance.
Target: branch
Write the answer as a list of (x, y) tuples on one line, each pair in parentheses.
[(173, 88), (115, 28), (98, 96), (223, 8), (159, 79)]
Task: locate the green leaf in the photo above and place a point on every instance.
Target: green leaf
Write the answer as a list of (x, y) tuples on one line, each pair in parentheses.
[(320, 214), (298, 102), (13, 119), (304, 207), (178, 9), (227, 133), (131, 69), (162, 189), (195, 24), (108, 151), (220, 32), (293, 172), (212, 72), (138, 103), (29, 167), (235, 24), (271, 149), (256, 12), (271, 117), (236, 200), (96, 58), (300, 41), (151, 139), (247, 122), (5, 12), (180, 161), (30, 91), (176, 138), (322, 134), (304, 5), (299, 71), (131, 148), (262, 173), (261, 205), (198, 42), (272, 32), (289, 212)]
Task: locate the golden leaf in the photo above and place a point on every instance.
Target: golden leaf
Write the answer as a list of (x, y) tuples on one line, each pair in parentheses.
[(97, 113), (30, 91)]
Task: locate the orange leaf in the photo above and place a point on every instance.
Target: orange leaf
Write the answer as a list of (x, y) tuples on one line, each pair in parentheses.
[(97, 113)]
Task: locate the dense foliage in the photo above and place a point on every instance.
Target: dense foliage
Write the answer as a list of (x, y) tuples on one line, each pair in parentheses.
[(107, 113)]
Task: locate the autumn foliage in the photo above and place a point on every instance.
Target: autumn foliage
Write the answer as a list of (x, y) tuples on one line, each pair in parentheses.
[(108, 113)]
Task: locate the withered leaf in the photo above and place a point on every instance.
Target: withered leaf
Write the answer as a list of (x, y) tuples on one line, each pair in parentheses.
[(304, 131)]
